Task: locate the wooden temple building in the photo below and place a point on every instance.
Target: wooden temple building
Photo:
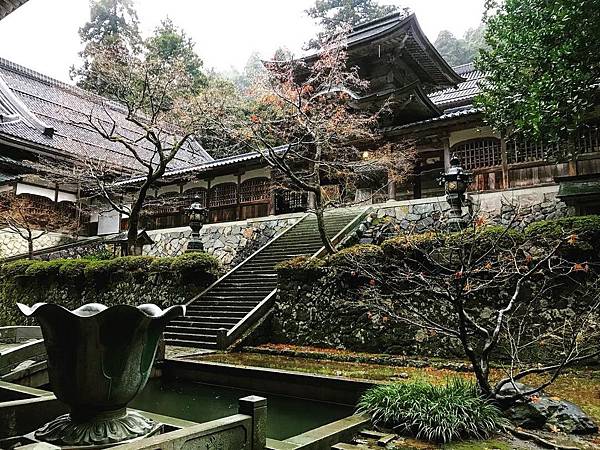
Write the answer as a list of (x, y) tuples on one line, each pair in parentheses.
[(433, 106)]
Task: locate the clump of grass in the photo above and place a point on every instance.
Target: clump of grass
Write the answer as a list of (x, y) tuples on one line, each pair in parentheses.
[(454, 411)]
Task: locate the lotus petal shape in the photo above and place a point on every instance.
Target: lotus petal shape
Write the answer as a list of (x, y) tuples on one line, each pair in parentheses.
[(99, 359)]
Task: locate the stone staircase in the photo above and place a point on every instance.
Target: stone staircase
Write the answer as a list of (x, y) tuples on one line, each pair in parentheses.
[(235, 299)]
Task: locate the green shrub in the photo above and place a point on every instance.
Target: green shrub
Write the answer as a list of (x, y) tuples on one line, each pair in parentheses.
[(300, 263), (161, 264), (15, 268), (363, 251), (559, 227), (72, 269), (454, 411), (102, 254), (197, 267), (44, 269)]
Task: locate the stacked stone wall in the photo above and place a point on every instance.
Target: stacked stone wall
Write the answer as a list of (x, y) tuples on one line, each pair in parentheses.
[(517, 208), (229, 242), (11, 244)]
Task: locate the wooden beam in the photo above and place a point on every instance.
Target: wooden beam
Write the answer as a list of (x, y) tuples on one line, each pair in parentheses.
[(504, 159)]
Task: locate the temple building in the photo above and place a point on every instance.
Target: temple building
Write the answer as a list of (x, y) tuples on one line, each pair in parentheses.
[(432, 105)]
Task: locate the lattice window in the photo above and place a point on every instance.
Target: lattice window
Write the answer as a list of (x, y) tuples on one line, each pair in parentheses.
[(588, 140), (291, 201), (196, 195), (224, 194), (523, 151), (255, 189), (478, 153)]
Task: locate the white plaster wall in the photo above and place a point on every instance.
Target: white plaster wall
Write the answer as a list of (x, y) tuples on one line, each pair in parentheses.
[(472, 133)]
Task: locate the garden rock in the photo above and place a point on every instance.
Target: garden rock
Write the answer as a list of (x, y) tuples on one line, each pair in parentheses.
[(545, 412)]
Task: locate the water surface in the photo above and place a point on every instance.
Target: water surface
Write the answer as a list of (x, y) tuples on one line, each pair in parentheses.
[(198, 402)]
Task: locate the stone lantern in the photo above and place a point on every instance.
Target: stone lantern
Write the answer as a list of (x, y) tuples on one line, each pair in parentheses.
[(198, 217), (456, 180)]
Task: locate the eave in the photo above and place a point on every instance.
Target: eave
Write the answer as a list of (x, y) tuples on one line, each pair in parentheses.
[(8, 6), (400, 33)]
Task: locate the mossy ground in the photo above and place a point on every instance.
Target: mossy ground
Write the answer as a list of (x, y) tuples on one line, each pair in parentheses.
[(580, 386)]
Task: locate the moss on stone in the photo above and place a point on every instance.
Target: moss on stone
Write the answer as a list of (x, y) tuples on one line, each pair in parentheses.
[(364, 251)]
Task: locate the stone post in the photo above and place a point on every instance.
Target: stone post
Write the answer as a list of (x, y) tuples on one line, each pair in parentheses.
[(256, 407), (222, 339)]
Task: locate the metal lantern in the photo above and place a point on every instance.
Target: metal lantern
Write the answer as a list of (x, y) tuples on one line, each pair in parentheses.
[(198, 217), (456, 180)]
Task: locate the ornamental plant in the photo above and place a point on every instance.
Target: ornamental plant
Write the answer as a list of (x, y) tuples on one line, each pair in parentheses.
[(454, 411)]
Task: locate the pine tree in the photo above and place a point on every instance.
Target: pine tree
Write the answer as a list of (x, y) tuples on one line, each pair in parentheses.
[(334, 15), (113, 24), (170, 43)]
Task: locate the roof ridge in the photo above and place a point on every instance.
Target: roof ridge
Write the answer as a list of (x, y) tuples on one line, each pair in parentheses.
[(399, 15), (464, 68)]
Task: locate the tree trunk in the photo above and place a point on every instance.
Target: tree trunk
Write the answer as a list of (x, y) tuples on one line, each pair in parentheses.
[(321, 225), (134, 218), (30, 246)]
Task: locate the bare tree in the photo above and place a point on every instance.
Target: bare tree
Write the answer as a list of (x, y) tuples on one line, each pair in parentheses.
[(488, 290), (22, 216), (160, 120), (311, 128)]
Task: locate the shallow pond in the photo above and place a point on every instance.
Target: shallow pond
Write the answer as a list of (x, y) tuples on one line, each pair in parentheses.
[(198, 402)]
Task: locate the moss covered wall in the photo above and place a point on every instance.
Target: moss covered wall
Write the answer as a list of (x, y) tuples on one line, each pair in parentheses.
[(324, 303), (128, 280)]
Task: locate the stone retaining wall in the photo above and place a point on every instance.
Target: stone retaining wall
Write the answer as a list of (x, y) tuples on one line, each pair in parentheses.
[(230, 242), (518, 207), (12, 244)]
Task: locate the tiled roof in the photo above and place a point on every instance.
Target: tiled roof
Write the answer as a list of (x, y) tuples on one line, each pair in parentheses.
[(400, 29), (205, 167), (64, 109), (449, 115), (8, 6), (6, 177), (464, 92)]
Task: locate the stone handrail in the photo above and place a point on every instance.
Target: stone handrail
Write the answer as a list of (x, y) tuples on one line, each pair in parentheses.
[(245, 261), (246, 430), (344, 232)]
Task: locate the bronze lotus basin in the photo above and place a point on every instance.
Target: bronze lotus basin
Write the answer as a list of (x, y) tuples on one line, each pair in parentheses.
[(99, 359)]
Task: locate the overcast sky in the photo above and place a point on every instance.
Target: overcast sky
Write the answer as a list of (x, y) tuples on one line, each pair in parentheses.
[(42, 34)]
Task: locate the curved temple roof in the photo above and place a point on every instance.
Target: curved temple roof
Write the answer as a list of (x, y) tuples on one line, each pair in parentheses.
[(8, 6), (401, 32), (50, 116)]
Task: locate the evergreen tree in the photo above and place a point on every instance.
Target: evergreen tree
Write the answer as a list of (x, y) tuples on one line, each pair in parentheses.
[(542, 65), (113, 24), (170, 43), (335, 15), (457, 51)]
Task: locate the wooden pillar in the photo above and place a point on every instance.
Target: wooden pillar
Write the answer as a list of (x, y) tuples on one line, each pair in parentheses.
[(391, 188), (238, 197), (572, 164), (208, 183), (446, 142), (505, 169), (417, 188)]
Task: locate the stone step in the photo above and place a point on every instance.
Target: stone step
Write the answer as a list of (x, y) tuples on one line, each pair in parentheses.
[(242, 290), (201, 308), (195, 344), (189, 337), (230, 301), (218, 296), (249, 284), (194, 330), (215, 315), (211, 324), (342, 446)]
